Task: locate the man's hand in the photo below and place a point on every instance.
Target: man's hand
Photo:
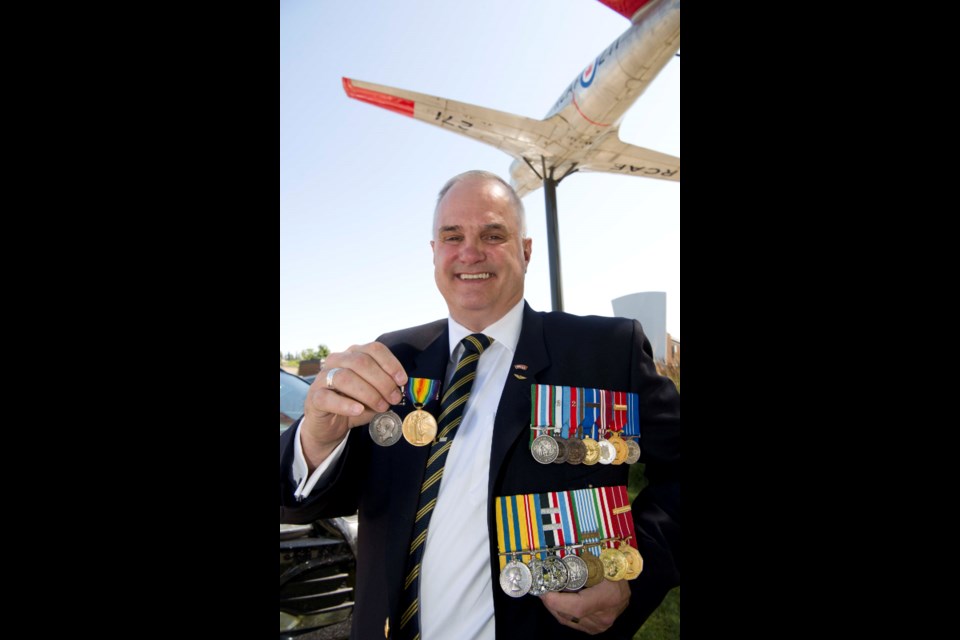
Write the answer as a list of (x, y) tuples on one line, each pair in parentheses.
[(592, 610), (366, 382)]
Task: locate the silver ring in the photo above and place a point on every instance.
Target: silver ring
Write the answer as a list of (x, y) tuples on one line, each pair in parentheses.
[(330, 375)]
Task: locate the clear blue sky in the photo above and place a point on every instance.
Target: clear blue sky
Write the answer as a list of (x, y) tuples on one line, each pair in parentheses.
[(358, 183)]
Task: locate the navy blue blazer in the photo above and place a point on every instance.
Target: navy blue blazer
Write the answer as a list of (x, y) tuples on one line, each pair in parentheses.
[(383, 482)]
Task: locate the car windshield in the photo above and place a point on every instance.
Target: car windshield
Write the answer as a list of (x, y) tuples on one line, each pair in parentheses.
[(293, 391)]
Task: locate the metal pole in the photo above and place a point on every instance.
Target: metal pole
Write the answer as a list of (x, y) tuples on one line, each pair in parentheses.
[(553, 242)]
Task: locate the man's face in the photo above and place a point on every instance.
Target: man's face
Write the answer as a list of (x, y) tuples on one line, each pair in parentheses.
[(479, 257)]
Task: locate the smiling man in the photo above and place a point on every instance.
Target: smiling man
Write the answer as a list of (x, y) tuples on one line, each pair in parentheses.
[(480, 252), (431, 535)]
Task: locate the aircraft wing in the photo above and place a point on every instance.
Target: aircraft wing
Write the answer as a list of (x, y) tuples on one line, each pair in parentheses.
[(513, 134), (612, 155)]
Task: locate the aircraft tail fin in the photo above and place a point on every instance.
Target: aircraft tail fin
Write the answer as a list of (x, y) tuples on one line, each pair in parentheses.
[(629, 9)]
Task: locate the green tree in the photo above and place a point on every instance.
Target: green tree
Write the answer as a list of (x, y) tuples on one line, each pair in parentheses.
[(321, 352)]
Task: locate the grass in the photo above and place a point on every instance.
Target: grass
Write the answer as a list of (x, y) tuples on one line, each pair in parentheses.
[(664, 623)]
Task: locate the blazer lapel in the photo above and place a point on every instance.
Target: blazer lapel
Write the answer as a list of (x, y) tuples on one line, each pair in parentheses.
[(430, 363), (513, 413)]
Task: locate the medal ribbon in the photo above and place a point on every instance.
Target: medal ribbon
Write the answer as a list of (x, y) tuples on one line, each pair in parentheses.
[(536, 505), (574, 416), (507, 530), (589, 412), (524, 528), (559, 535), (541, 406), (569, 523), (623, 514), (603, 514), (619, 410), (633, 415), (586, 512), (605, 412), (565, 412), (423, 390)]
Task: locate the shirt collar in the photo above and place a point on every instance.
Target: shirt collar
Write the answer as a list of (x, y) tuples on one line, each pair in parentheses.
[(505, 331)]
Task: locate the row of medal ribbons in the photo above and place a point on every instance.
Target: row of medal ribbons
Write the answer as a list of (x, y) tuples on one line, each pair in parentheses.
[(578, 425), (565, 540)]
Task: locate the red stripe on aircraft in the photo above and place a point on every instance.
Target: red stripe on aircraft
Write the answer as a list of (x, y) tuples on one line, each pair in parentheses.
[(391, 103), (626, 8), (596, 124)]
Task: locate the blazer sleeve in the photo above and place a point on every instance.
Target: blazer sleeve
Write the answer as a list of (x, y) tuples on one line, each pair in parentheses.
[(338, 496), (656, 510)]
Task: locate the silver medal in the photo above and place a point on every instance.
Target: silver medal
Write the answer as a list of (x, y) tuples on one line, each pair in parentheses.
[(386, 428), (536, 574), (607, 452), (555, 574), (576, 572), (633, 451), (545, 449), (515, 579)]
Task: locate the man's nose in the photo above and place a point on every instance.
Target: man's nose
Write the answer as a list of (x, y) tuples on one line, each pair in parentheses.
[(471, 252)]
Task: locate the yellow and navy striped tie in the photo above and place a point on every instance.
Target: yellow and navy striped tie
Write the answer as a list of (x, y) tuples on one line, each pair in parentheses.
[(451, 415)]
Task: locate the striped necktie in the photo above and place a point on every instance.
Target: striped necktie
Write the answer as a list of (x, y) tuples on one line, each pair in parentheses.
[(451, 414)]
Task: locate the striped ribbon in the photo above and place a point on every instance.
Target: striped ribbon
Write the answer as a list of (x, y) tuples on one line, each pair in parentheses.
[(605, 410), (619, 409), (545, 523), (564, 410), (591, 412), (633, 415), (623, 515), (585, 508), (422, 390), (576, 410)]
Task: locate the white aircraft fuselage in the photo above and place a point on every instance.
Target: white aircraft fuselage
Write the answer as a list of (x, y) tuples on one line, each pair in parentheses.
[(594, 104)]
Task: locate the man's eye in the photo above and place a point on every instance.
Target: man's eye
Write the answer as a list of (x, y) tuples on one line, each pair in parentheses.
[(452, 239)]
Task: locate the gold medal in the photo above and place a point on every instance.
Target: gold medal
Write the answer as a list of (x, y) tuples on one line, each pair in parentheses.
[(614, 564), (621, 448), (419, 428), (593, 451), (634, 561)]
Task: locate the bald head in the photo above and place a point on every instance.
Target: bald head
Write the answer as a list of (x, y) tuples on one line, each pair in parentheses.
[(481, 176)]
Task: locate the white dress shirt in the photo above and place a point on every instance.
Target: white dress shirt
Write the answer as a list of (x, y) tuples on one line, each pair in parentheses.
[(456, 592)]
